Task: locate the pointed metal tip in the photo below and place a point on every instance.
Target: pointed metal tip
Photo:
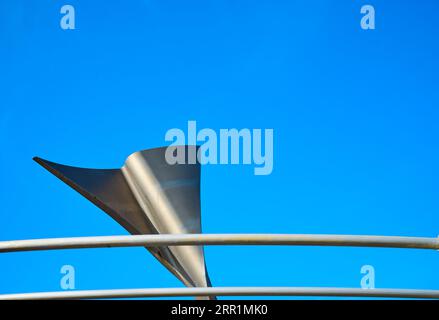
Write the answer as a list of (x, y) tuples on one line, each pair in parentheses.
[(48, 165), (39, 160)]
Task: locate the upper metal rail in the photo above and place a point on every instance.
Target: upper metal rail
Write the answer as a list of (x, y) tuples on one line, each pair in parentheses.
[(220, 239)]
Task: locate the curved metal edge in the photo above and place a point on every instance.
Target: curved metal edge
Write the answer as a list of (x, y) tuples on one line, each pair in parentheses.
[(227, 291), (219, 239)]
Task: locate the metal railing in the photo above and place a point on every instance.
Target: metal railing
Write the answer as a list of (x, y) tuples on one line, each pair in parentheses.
[(226, 291), (223, 239), (220, 239)]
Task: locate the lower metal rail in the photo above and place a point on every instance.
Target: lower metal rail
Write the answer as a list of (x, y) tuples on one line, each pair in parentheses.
[(226, 291)]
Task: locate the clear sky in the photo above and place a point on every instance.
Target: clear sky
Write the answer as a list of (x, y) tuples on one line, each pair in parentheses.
[(354, 112)]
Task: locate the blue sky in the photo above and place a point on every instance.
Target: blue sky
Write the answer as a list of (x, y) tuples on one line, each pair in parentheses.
[(354, 114)]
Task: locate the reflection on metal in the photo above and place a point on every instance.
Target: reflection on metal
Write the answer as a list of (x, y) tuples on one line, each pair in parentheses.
[(220, 239), (148, 196), (226, 291)]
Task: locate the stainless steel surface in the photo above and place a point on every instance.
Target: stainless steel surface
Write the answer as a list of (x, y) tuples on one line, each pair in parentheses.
[(220, 239), (148, 196), (227, 291)]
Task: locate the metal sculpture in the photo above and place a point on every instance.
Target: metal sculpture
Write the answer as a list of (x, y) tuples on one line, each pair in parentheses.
[(148, 196)]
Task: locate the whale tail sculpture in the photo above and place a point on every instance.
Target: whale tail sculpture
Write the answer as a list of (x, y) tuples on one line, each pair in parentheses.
[(148, 196)]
